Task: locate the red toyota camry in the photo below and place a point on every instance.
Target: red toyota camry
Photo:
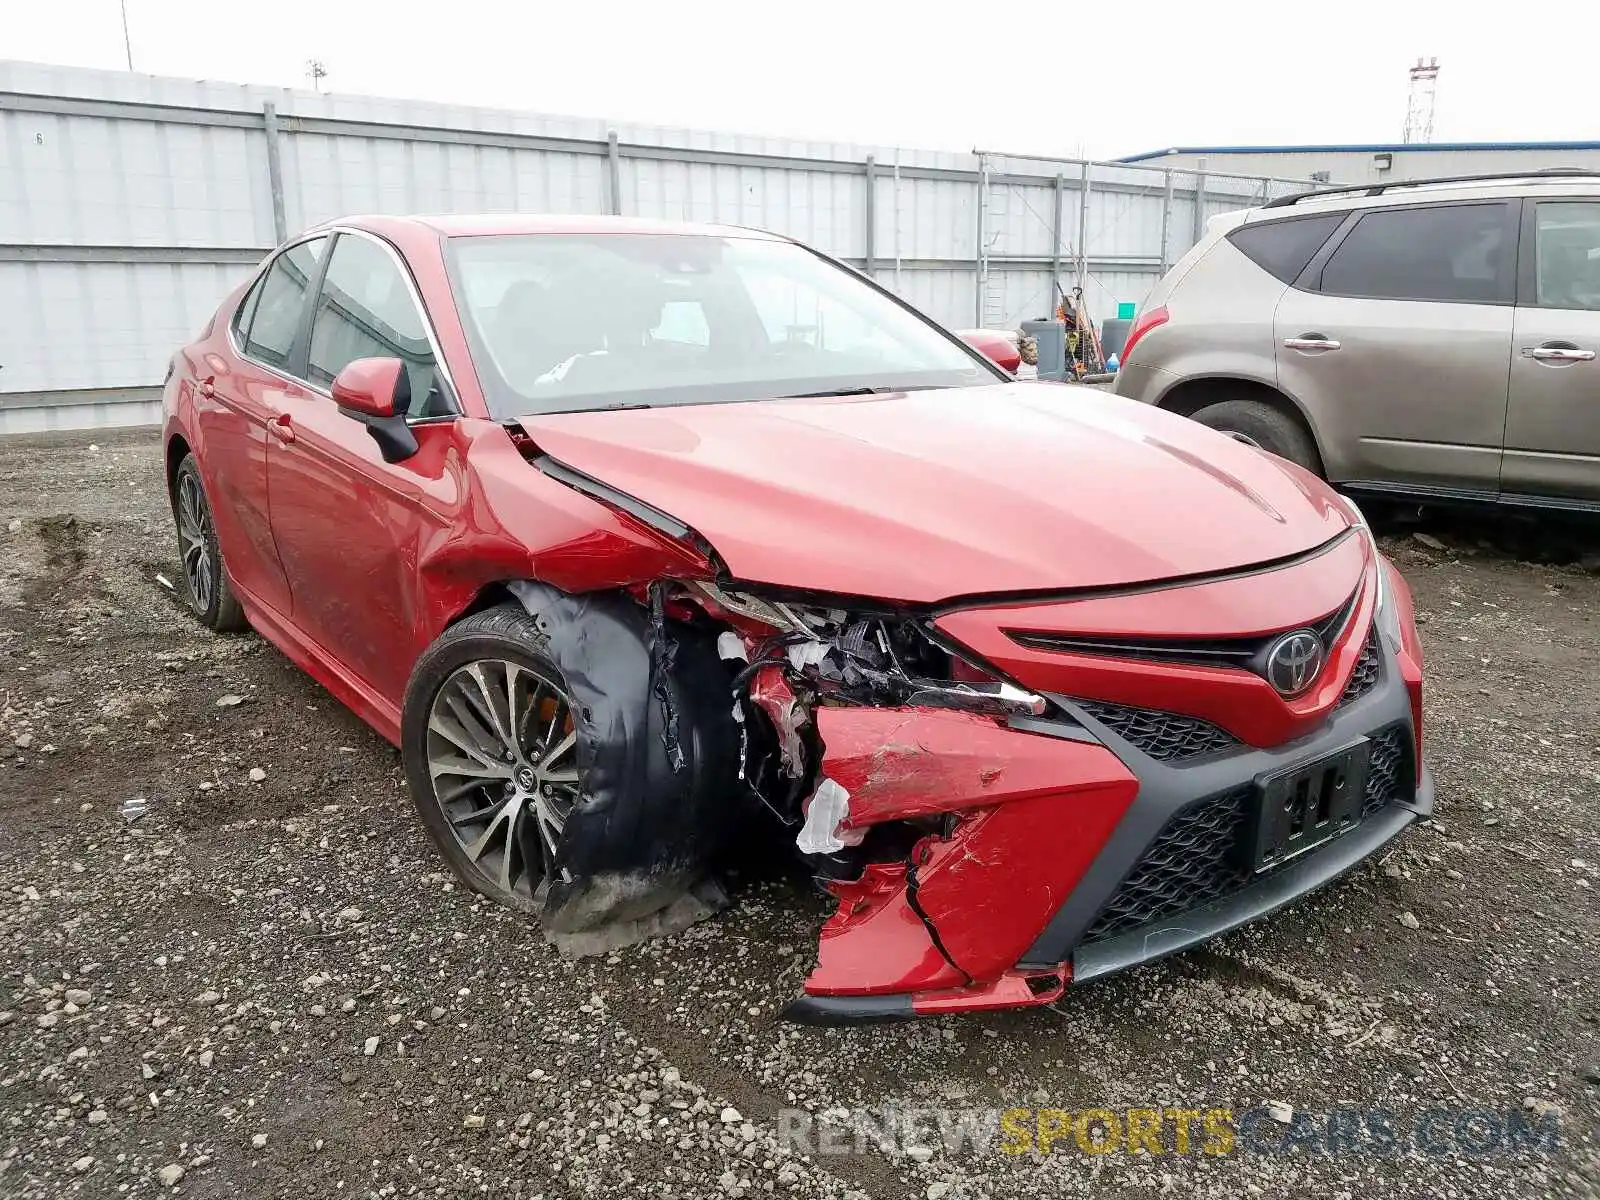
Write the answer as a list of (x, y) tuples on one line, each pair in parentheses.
[(635, 537)]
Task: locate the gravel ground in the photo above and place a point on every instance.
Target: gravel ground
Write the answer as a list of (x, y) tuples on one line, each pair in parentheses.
[(267, 985)]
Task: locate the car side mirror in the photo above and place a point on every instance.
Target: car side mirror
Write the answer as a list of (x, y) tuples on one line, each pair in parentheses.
[(994, 345), (377, 392)]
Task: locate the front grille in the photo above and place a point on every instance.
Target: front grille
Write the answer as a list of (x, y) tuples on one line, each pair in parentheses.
[(1389, 772), (1197, 856), (1365, 677), (1170, 737), (1193, 860)]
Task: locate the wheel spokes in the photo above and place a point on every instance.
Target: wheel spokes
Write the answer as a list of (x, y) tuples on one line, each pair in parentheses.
[(456, 791), (194, 533), (460, 735), (466, 768), (552, 755), (502, 822), (503, 759), (477, 814), (491, 695), (551, 824), (513, 731), (527, 736), (473, 727)]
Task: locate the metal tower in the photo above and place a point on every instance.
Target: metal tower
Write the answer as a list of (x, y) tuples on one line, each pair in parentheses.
[(1419, 105)]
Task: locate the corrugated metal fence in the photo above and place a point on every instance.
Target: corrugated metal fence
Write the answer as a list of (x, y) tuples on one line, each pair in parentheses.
[(130, 204)]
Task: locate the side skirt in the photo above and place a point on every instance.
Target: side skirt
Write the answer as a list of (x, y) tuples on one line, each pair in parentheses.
[(1427, 494), (316, 662)]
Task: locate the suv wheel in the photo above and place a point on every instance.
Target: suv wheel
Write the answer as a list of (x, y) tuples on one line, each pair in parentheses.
[(1261, 425)]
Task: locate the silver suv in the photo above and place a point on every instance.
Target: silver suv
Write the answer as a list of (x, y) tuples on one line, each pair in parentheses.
[(1433, 339)]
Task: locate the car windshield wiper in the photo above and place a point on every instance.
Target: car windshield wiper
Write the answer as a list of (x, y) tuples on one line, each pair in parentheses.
[(588, 408), (849, 391)]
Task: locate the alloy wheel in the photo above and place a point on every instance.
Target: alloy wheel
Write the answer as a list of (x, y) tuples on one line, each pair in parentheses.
[(502, 757), (194, 537)]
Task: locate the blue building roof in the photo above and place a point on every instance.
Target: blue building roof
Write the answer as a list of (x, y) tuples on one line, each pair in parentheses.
[(1362, 148)]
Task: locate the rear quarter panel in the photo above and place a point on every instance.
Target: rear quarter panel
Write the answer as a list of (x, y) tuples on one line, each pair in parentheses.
[(1220, 323)]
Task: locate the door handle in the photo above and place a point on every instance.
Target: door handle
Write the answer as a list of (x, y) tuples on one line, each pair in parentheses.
[(1557, 354), (1314, 342), (280, 428), (208, 387)]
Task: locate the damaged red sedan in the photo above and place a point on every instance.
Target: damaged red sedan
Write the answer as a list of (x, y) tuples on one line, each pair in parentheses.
[(633, 537)]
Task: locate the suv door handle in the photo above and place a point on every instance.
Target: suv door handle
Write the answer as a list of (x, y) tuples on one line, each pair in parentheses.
[(1310, 341), (1557, 354), (280, 428)]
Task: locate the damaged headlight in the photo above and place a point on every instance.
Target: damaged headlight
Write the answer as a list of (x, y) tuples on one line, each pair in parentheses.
[(1387, 618), (883, 658)]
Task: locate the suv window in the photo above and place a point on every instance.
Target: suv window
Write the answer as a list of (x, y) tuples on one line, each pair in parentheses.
[(1284, 248), (283, 293), (1456, 252), (365, 310), (1568, 242)]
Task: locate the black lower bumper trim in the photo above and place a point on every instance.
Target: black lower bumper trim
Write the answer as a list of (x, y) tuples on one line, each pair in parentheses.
[(1167, 790), (848, 1010), (1315, 870)]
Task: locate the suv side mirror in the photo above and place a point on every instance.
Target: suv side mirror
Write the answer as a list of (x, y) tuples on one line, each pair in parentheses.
[(377, 392), (994, 345)]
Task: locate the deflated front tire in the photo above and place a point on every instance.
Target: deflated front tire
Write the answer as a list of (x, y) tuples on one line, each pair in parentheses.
[(576, 757)]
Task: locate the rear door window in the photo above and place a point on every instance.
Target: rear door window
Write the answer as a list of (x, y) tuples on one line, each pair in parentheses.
[(246, 310), (276, 319), (1460, 253), (1567, 267), (1284, 248)]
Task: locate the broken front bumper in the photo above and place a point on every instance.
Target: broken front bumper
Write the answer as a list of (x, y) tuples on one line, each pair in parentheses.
[(1074, 847)]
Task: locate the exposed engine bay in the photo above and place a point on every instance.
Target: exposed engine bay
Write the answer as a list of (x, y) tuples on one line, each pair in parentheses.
[(794, 659)]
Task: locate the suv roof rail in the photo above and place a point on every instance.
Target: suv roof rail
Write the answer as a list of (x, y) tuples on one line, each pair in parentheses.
[(1377, 189)]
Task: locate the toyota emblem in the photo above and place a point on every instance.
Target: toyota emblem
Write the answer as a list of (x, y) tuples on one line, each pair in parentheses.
[(1294, 661)]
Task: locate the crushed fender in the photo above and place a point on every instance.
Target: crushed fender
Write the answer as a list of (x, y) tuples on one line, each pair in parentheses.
[(657, 749), (885, 758), (663, 658)]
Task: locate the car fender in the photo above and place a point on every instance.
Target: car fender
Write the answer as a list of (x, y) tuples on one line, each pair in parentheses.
[(514, 522)]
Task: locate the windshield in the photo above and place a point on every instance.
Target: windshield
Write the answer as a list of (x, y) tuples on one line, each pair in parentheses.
[(570, 322)]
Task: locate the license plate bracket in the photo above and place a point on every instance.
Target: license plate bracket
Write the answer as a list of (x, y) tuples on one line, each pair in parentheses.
[(1301, 808)]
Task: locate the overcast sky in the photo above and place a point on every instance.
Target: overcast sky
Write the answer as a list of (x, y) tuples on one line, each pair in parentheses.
[(1051, 77)]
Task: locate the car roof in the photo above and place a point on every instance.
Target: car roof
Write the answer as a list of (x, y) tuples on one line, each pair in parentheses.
[(1422, 191), (512, 224)]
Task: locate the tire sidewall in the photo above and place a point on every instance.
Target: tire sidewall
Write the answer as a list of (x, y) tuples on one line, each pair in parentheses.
[(1268, 429)]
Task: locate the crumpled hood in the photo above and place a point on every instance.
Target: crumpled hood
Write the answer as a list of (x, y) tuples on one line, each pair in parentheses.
[(924, 496)]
